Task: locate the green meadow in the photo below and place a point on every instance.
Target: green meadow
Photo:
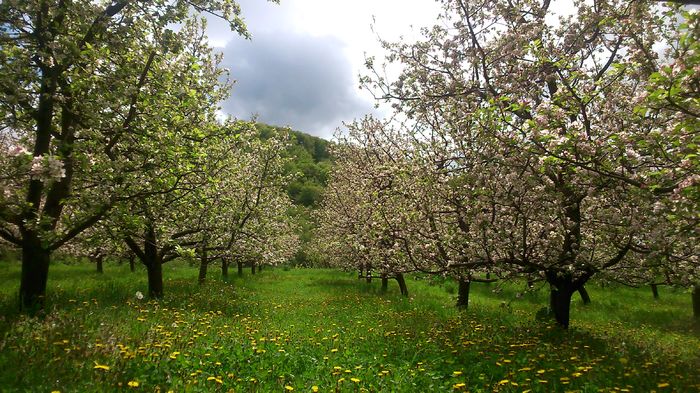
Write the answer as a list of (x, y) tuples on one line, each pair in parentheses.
[(307, 330)]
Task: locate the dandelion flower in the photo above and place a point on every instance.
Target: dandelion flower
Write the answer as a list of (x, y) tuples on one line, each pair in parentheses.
[(314, 389), (288, 388), (101, 367), (133, 384)]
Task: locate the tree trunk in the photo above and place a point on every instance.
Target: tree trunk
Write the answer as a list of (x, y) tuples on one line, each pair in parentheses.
[(203, 265), (368, 277), (98, 262), (584, 295), (35, 272), (240, 269), (463, 293), (385, 283), (402, 284), (252, 268), (696, 301), (361, 273), (488, 277), (655, 290), (224, 269), (260, 268), (560, 304), (153, 262), (132, 263), (155, 279)]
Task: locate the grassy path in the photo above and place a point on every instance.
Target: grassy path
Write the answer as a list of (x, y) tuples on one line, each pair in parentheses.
[(302, 330)]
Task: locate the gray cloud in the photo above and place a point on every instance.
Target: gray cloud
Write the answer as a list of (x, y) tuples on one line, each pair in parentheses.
[(288, 78)]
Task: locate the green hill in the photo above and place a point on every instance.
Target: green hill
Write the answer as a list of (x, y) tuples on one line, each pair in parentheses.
[(310, 164)]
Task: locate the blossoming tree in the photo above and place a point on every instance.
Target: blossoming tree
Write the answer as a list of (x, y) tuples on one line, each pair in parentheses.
[(530, 110), (83, 85)]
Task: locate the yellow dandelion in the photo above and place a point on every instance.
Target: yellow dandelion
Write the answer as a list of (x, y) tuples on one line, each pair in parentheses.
[(289, 388), (503, 382), (356, 380), (456, 373), (101, 367), (314, 389), (133, 384), (459, 386), (663, 385)]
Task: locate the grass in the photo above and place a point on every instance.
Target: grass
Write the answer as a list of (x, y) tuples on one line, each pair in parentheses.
[(293, 330)]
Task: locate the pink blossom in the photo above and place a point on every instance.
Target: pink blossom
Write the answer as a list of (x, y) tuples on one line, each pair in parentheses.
[(17, 150)]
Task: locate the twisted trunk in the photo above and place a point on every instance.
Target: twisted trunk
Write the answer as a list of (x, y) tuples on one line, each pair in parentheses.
[(562, 287)]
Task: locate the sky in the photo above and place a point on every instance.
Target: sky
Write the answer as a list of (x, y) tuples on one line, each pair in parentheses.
[(301, 68)]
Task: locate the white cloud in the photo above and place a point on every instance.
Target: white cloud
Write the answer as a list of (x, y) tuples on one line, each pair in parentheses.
[(328, 33)]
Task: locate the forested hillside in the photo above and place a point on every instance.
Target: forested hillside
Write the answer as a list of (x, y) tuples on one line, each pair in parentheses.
[(308, 166)]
